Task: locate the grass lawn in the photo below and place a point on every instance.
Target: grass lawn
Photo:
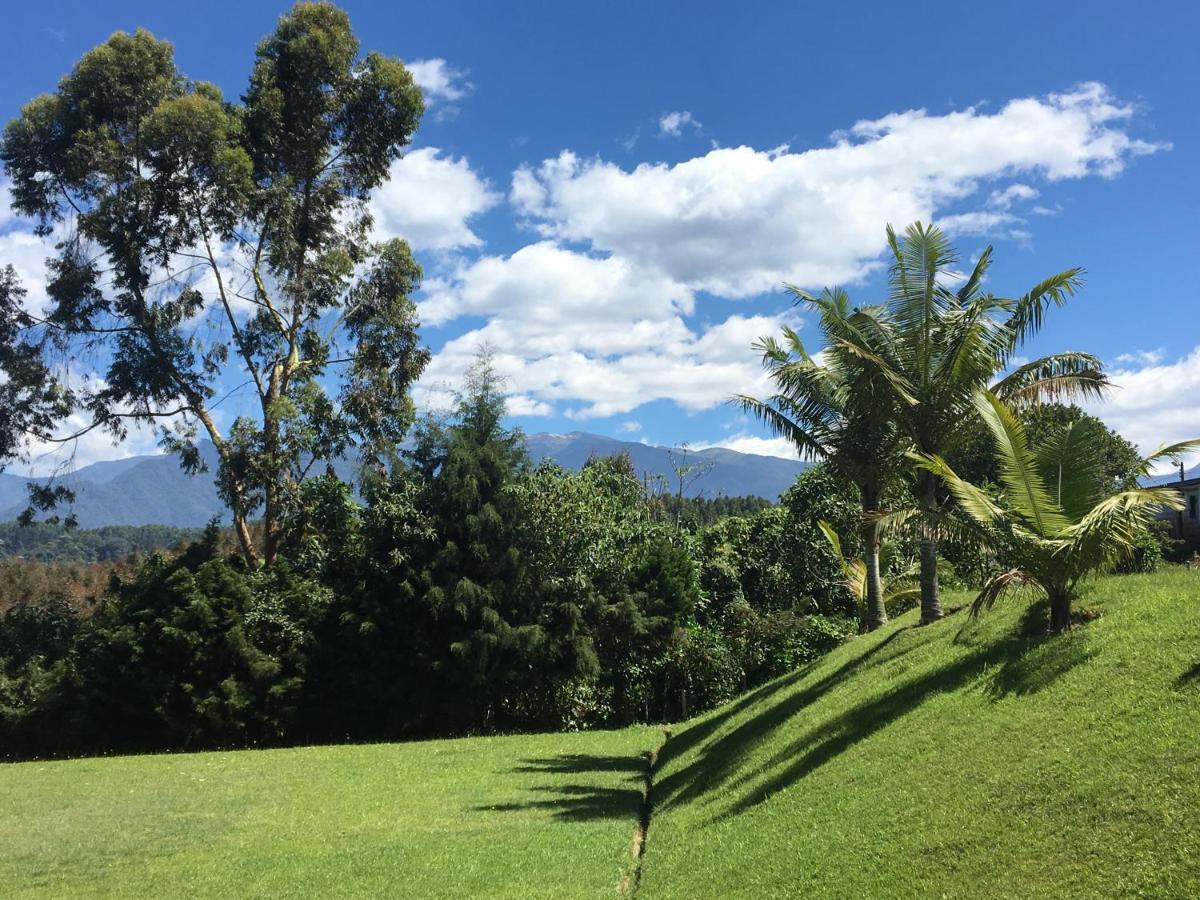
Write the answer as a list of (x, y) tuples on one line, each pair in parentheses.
[(528, 816), (965, 759), (958, 760)]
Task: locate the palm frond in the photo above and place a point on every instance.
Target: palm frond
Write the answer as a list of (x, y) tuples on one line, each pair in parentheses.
[(811, 443), (974, 500), (853, 570), (1018, 467), (1000, 586), (1072, 466), (1029, 312), (1173, 452), (1062, 376)]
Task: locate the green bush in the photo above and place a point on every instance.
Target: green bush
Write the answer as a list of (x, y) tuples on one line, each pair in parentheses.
[(767, 645)]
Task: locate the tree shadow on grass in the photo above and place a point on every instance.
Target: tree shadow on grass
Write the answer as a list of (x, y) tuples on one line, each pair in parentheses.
[(719, 759), (579, 763), (583, 801), (1189, 678), (578, 803), (1022, 665)]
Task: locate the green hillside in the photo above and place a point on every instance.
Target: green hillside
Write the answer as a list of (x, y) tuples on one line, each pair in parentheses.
[(959, 760), (963, 759)]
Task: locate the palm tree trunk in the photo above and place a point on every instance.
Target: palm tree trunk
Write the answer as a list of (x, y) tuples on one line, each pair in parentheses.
[(931, 600), (1060, 612), (876, 612)]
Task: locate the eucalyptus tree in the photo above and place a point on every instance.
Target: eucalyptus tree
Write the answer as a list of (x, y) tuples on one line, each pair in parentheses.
[(207, 247), (836, 409), (940, 338), (1053, 524)]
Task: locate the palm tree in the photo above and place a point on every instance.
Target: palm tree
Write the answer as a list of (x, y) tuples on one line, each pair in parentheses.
[(941, 338), (833, 410), (1052, 524), (899, 586)]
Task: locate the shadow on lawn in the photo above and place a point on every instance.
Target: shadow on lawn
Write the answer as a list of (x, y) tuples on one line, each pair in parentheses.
[(582, 802), (579, 802), (1013, 663), (1190, 677)]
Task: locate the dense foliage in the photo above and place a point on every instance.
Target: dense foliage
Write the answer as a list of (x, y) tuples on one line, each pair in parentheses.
[(469, 592), (57, 543)]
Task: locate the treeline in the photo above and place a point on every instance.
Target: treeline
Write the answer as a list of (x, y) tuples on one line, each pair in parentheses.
[(700, 512), (48, 542), (471, 592)]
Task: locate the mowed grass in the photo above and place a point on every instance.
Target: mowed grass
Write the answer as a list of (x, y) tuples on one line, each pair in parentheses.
[(971, 758), (526, 816), (958, 760)]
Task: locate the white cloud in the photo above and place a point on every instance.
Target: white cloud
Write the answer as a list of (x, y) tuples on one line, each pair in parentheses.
[(429, 198), (1156, 403), (739, 221), (1142, 358), (631, 426), (7, 215), (976, 223), (561, 300), (26, 253), (47, 458), (749, 443), (524, 405), (440, 82), (607, 368), (1003, 199), (673, 123)]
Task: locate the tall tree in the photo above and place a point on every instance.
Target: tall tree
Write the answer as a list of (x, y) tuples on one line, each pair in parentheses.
[(837, 410), (940, 339), (205, 247)]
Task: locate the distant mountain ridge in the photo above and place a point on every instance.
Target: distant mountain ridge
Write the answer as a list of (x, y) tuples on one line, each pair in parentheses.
[(153, 490)]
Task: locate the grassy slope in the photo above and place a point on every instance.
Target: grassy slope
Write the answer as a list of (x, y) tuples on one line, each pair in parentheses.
[(529, 816), (957, 760)]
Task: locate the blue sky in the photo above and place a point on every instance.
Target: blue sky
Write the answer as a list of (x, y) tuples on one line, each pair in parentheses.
[(610, 194)]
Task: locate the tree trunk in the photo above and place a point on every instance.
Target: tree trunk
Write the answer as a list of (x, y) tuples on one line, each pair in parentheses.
[(245, 540), (1060, 612), (876, 612), (931, 600)]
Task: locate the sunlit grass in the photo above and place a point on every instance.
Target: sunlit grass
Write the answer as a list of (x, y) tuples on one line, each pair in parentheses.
[(965, 759), (529, 816)]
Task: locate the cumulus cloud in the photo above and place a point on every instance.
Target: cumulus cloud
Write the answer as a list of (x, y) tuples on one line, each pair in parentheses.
[(524, 405), (1142, 358), (1003, 199), (1155, 403), (7, 216), (738, 221), (749, 443), (439, 81), (429, 198), (588, 369), (673, 123)]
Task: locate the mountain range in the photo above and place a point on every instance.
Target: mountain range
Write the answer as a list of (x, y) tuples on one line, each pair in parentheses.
[(153, 490)]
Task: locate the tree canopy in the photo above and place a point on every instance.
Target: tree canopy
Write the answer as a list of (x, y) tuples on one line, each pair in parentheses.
[(198, 237)]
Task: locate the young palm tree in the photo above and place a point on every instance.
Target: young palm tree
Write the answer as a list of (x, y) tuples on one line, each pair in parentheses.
[(1053, 525), (896, 587), (833, 410), (941, 338)]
